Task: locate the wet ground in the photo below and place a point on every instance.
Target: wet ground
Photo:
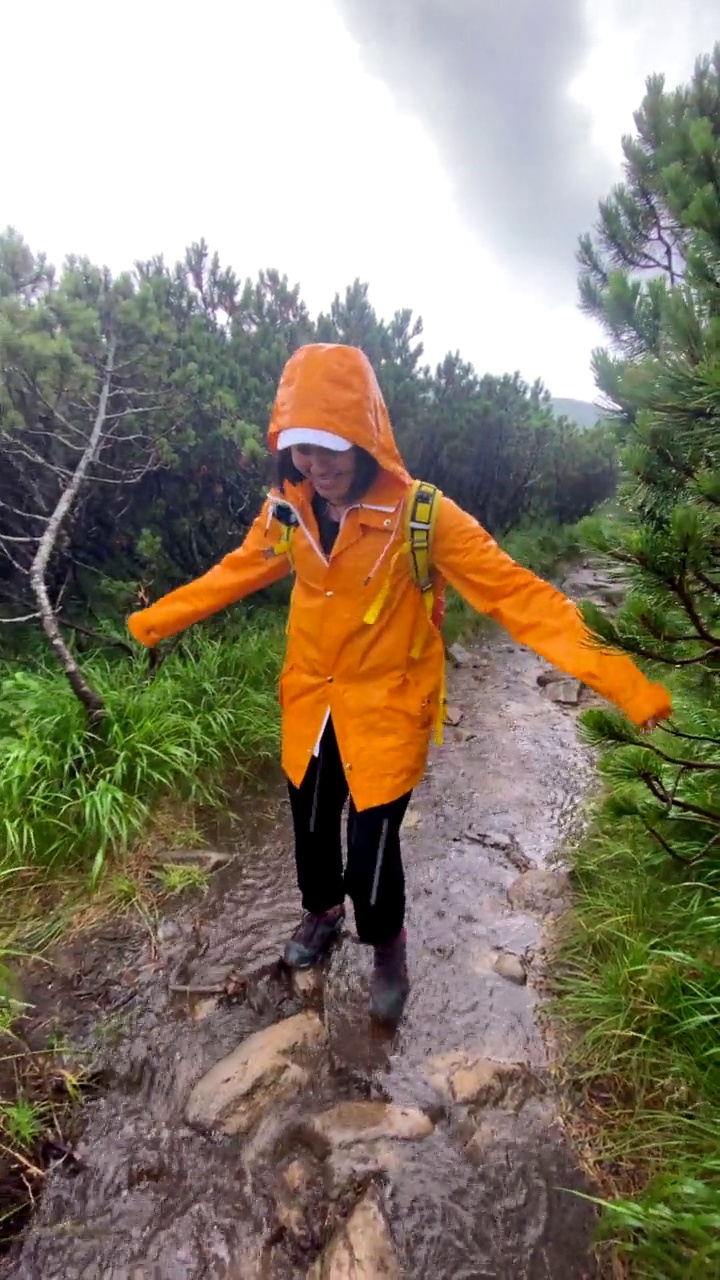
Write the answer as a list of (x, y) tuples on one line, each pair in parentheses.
[(446, 1134)]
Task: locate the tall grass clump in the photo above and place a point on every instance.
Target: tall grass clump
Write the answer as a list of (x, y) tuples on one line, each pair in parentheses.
[(71, 794), (639, 965), (639, 988)]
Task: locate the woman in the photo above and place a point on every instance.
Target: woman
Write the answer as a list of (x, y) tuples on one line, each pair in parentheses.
[(361, 684)]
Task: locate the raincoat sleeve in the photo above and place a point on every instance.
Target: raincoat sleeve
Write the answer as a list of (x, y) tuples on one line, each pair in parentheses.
[(252, 566), (537, 615)]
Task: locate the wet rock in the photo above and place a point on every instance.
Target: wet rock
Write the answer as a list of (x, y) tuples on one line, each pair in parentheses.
[(357, 1165), (307, 983), (481, 1082), (208, 859), (362, 1140), (299, 1175), (484, 1082), (443, 950), (352, 1122), (463, 735), (609, 592), (262, 1070), (484, 958), (412, 819), (511, 967), (362, 1250), (453, 715), (461, 657), (551, 676), (168, 930), (203, 1008), (545, 892), (290, 1214), (497, 1136), (566, 693)]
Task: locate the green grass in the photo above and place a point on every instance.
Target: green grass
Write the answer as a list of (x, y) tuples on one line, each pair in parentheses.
[(542, 547), (71, 796), (46, 1091), (22, 1121), (178, 879), (640, 991)]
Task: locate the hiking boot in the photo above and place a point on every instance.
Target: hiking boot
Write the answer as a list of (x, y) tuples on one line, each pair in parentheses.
[(390, 985), (313, 938)]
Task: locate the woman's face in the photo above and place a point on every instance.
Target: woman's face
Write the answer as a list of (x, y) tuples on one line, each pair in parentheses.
[(330, 473)]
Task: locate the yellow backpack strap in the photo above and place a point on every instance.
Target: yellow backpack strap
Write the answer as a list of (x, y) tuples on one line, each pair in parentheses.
[(283, 546), (421, 514), (284, 543), (422, 509)]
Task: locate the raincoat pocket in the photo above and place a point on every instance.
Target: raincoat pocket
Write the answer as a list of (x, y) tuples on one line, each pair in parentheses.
[(419, 702)]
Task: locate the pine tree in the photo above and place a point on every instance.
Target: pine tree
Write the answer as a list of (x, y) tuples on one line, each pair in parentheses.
[(651, 274)]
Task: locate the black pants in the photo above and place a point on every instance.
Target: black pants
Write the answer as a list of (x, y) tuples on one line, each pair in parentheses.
[(374, 876)]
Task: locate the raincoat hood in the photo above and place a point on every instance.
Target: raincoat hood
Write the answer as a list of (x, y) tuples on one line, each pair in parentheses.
[(331, 387)]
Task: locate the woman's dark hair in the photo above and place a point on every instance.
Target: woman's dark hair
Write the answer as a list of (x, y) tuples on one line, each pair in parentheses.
[(366, 469)]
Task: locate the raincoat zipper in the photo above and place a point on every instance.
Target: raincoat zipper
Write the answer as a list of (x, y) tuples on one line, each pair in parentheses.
[(356, 506)]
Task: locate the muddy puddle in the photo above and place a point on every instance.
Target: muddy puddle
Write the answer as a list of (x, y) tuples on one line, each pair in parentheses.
[(253, 1127)]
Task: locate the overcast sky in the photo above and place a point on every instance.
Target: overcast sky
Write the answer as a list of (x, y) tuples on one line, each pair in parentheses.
[(448, 152)]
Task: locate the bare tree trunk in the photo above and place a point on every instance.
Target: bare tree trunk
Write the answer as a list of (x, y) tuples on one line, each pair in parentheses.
[(88, 696)]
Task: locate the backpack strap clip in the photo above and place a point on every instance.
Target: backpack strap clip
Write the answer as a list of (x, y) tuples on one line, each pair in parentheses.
[(421, 516)]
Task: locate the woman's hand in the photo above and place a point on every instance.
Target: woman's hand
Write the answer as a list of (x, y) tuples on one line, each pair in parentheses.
[(648, 725)]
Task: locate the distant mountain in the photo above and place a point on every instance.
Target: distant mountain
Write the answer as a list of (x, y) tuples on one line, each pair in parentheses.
[(581, 411)]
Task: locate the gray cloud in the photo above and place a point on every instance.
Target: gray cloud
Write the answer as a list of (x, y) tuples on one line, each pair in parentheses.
[(489, 80)]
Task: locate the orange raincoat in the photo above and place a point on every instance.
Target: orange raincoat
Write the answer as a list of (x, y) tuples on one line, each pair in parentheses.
[(383, 700)]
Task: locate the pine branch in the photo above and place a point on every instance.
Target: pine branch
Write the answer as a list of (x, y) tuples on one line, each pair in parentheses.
[(27, 617), (684, 764), (641, 652), (685, 862), (668, 727), (660, 793), (712, 587), (687, 602), (112, 641)]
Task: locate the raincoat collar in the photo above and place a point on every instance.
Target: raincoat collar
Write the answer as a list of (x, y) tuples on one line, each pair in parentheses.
[(382, 499)]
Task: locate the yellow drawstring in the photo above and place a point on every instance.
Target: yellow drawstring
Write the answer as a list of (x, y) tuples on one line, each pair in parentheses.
[(375, 609)]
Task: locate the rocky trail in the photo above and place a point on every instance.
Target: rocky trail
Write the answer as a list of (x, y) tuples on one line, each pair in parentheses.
[(251, 1125)]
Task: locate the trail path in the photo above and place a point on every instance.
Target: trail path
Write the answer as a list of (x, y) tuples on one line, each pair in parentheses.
[(253, 1127)]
